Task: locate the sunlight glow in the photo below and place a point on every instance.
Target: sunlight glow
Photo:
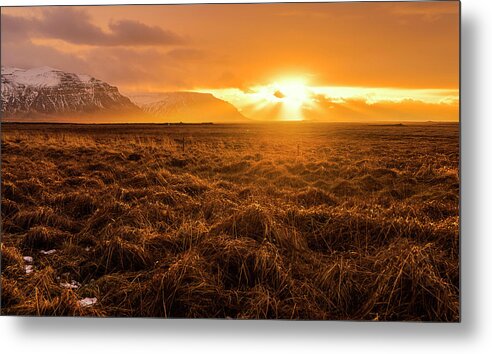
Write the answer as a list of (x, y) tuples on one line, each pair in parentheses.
[(292, 99), (291, 94)]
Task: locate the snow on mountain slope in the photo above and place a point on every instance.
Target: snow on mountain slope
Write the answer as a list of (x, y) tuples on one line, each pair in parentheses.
[(44, 76), (52, 92), (192, 107)]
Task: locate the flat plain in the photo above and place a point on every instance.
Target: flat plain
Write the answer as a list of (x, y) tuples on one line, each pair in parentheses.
[(279, 221)]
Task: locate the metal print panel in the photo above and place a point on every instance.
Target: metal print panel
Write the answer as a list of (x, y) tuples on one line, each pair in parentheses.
[(239, 161)]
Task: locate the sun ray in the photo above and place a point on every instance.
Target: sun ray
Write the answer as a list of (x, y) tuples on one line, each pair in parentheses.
[(293, 94)]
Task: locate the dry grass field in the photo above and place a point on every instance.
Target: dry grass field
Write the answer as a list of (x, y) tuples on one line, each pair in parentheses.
[(278, 221)]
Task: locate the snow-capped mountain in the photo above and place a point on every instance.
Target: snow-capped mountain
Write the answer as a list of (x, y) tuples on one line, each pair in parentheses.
[(190, 107), (50, 92)]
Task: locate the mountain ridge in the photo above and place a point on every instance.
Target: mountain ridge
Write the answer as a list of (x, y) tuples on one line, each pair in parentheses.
[(43, 92), (46, 94)]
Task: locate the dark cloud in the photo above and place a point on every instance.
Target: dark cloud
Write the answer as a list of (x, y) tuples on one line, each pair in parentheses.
[(19, 54), (146, 65), (14, 28), (69, 25), (279, 94), (126, 32), (75, 26)]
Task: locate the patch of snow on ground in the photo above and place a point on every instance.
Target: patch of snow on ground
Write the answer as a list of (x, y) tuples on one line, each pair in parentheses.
[(88, 301), (72, 285), (29, 269)]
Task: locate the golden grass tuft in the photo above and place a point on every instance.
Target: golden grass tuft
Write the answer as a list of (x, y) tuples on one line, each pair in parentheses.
[(344, 188), (344, 283), (78, 204), (314, 196), (243, 263), (253, 221), (183, 289), (11, 294), (10, 190), (119, 294), (262, 303), (118, 254), (11, 261), (9, 207), (42, 216), (407, 281), (44, 237)]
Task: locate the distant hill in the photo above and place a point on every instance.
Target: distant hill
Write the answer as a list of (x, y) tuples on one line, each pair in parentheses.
[(192, 107)]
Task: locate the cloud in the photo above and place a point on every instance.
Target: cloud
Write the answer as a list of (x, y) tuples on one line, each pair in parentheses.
[(19, 54), (75, 26), (14, 28), (69, 25), (279, 94), (126, 32), (184, 54), (429, 11), (358, 109)]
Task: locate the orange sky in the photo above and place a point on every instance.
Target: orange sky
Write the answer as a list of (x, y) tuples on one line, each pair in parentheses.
[(384, 55)]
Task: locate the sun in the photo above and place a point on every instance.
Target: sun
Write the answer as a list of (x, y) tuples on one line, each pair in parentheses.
[(291, 94), (288, 98), (291, 91)]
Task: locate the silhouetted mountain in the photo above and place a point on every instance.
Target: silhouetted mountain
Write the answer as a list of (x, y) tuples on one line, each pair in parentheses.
[(192, 107)]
